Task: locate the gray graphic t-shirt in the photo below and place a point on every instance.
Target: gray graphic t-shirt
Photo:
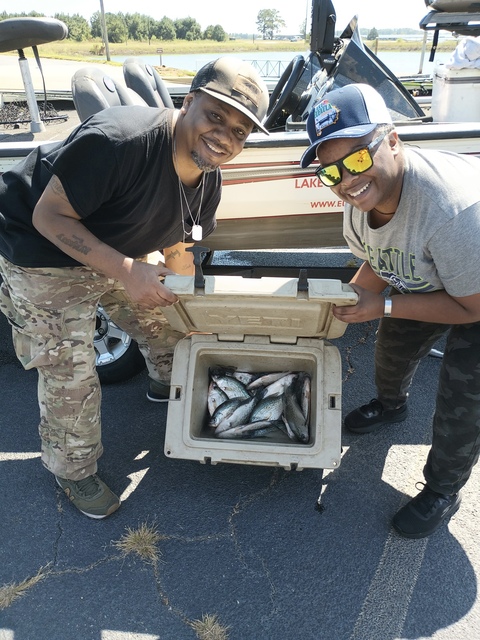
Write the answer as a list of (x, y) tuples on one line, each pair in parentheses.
[(433, 240)]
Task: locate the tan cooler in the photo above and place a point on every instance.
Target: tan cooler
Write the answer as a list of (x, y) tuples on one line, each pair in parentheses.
[(256, 325)]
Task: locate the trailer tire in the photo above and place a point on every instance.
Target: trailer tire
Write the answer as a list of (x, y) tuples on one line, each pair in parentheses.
[(118, 357)]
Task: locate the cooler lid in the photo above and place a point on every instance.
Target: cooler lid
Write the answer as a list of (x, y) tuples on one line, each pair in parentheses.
[(282, 308)]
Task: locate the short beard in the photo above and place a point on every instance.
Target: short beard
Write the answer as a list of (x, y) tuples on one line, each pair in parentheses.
[(201, 164)]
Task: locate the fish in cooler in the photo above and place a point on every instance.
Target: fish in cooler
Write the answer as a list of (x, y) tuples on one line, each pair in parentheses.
[(257, 405)]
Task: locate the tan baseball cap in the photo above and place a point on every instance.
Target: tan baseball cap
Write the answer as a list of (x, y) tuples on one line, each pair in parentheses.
[(237, 83)]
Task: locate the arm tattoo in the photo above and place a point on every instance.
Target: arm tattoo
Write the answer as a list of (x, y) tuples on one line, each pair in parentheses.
[(58, 189), (75, 242), (172, 255)]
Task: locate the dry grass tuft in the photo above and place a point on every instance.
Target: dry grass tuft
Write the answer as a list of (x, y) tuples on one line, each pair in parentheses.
[(11, 592), (208, 628), (142, 541)]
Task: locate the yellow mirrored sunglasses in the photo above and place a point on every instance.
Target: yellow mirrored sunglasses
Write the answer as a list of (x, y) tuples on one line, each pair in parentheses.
[(356, 162)]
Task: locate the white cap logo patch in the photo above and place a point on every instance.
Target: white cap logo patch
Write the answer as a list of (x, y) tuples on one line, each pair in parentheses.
[(326, 114)]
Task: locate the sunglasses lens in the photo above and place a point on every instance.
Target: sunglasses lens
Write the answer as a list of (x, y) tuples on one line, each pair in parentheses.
[(330, 175), (358, 162)]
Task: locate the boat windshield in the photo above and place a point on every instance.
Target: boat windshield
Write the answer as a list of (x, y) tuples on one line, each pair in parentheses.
[(356, 63)]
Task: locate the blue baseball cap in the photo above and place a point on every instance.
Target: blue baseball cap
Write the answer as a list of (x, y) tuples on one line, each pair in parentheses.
[(350, 112)]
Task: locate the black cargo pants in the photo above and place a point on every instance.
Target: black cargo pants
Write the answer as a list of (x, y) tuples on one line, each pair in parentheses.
[(456, 423)]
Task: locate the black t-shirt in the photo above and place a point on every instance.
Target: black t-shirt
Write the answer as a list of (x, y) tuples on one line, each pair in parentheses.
[(117, 171)]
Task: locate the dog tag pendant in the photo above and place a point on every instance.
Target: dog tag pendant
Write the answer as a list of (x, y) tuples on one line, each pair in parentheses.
[(197, 232)]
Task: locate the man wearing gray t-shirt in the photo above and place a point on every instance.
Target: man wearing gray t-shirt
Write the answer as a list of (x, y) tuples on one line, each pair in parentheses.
[(413, 216)]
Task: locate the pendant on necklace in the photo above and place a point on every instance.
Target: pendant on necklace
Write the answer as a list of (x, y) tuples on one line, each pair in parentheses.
[(197, 232)]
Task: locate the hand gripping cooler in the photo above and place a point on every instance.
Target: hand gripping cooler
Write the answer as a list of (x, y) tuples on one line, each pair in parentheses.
[(255, 325)]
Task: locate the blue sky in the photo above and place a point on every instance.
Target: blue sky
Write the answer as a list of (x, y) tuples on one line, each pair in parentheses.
[(241, 17)]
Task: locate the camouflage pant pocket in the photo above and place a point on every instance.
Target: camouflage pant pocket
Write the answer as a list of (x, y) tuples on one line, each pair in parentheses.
[(40, 339)]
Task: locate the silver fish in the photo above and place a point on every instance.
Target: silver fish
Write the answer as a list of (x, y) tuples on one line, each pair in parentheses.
[(289, 432), (231, 386), (266, 379), (250, 430), (294, 416), (224, 411), (270, 408), (239, 416), (215, 397), (244, 377), (277, 387), (303, 391)]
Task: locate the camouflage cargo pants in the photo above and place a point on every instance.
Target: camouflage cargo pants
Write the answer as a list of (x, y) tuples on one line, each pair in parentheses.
[(456, 423), (52, 313)]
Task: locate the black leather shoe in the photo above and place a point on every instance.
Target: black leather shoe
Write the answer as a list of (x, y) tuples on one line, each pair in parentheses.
[(372, 416), (425, 513)]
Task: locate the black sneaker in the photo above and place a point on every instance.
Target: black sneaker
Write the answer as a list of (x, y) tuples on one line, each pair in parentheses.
[(158, 391), (372, 416), (425, 513)]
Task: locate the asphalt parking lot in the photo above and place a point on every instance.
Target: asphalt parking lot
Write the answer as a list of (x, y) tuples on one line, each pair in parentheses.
[(246, 545)]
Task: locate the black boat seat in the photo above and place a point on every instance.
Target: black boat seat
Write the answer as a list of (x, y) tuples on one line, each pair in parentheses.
[(20, 33), (147, 82), (93, 90)]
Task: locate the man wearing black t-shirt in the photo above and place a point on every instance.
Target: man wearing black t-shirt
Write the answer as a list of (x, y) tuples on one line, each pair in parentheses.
[(77, 219)]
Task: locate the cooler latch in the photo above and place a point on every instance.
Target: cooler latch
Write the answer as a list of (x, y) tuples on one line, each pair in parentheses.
[(302, 284), (199, 254)]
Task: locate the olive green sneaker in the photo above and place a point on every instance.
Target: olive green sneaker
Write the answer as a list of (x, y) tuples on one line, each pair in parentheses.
[(90, 495), (158, 391)]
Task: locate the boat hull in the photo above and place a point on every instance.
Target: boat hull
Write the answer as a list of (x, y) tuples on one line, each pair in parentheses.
[(270, 202)]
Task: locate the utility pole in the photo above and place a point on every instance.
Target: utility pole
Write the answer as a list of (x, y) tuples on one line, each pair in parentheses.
[(104, 30)]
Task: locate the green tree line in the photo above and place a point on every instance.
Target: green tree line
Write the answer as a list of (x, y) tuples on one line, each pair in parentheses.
[(122, 27)]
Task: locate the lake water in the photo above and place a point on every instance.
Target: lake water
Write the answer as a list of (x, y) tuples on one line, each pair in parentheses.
[(401, 63)]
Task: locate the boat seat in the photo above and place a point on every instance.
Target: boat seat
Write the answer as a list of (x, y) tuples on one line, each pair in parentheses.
[(147, 82), (93, 90), (20, 33)]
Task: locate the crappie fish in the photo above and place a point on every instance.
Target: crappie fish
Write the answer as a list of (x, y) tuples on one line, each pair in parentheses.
[(265, 380), (232, 387), (243, 376), (294, 418), (239, 416), (302, 389), (215, 397), (270, 408), (224, 411), (288, 430), (277, 387), (250, 430)]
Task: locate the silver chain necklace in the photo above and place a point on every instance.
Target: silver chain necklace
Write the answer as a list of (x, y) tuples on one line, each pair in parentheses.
[(197, 231)]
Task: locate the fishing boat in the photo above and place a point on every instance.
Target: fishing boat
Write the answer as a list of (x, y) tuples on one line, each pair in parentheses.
[(268, 201)]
